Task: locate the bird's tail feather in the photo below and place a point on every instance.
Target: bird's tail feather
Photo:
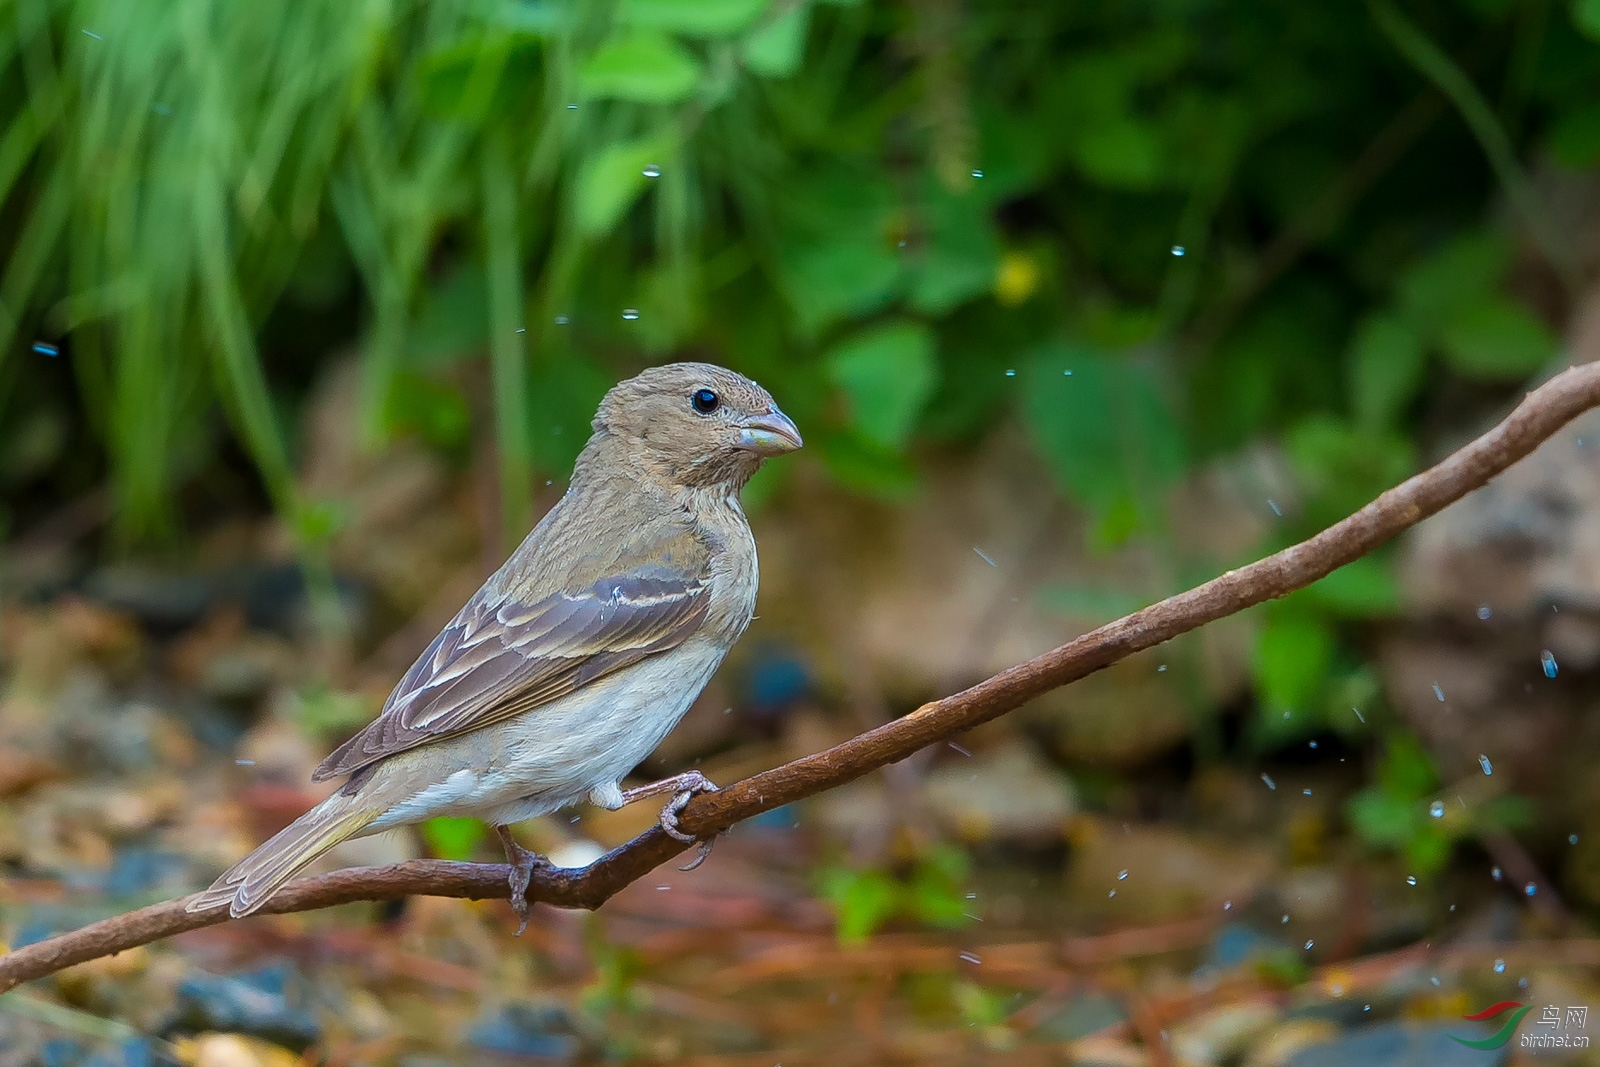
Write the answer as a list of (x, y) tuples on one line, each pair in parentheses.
[(249, 883)]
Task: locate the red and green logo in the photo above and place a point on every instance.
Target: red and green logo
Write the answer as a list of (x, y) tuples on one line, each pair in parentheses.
[(1501, 1036)]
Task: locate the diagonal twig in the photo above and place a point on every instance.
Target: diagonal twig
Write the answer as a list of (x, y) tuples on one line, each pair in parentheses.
[(1538, 417)]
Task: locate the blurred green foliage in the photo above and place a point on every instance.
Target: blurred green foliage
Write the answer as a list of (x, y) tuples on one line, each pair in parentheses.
[(1153, 232), (1401, 811), (930, 891)]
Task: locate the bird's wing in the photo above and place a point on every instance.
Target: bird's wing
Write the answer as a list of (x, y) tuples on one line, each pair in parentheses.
[(505, 653)]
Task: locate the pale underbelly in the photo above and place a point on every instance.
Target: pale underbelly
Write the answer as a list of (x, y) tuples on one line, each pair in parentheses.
[(552, 756)]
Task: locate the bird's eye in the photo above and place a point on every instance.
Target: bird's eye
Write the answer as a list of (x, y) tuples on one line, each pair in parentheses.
[(705, 401)]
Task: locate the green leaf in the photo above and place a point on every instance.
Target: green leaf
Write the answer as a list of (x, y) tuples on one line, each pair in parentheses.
[(850, 273), (1429, 849), (1405, 771), (1382, 819), (777, 49), (862, 901), (1574, 137), (936, 894), (693, 18), (611, 180), (1292, 658), (1363, 589), (960, 256), (1497, 340), (887, 373), (1586, 17), (1342, 467), (643, 67), (1388, 361), (451, 837), (1453, 279), (1105, 429), (1121, 152)]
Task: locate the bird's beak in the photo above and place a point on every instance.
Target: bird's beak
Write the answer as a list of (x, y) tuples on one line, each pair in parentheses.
[(769, 434)]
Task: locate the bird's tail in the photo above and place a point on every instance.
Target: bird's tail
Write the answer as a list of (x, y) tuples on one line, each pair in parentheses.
[(252, 881)]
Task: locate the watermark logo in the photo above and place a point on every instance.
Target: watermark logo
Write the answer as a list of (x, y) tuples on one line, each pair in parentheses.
[(1551, 1019)]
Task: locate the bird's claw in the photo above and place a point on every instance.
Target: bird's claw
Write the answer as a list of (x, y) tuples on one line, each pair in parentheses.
[(522, 863), (692, 783)]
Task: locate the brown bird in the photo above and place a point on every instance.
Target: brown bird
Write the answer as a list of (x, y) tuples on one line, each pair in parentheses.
[(580, 653)]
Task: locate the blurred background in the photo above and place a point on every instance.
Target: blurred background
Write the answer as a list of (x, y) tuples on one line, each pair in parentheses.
[(304, 310)]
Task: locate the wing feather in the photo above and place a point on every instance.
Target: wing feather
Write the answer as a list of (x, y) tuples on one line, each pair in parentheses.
[(503, 655)]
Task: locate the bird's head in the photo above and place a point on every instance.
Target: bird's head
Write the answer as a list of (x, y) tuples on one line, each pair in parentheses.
[(700, 424)]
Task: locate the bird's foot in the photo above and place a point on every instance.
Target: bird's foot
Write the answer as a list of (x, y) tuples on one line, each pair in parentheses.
[(683, 787), (523, 863)]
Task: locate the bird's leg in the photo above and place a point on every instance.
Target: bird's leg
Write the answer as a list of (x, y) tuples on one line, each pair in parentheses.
[(682, 787), (523, 864)]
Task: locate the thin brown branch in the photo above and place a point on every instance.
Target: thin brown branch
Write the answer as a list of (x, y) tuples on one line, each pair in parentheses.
[(1538, 417)]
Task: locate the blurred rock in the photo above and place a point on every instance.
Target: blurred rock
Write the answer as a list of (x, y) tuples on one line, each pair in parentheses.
[(233, 1050), (543, 1029), (1221, 1034), (1286, 1040), (166, 599), (225, 661), (1115, 718), (1158, 872), (1107, 1052), (1398, 1045), (258, 1004), (1084, 1015), (1007, 793)]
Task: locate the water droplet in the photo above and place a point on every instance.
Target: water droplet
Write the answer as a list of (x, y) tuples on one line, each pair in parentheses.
[(562, 320), (1227, 905), (1011, 374), (977, 174), (1276, 510), (1122, 875), (46, 349), (161, 109), (971, 957), (1268, 779), (1307, 792), (1530, 889), (1161, 669), (1178, 250), (1066, 374), (1111, 894), (1313, 744), (1483, 761), (1285, 921), (1484, 611), (1411, 879), (572, 107), (1572, 839), (1436, 809), (1438, 694), (1360, 717), (1547, 660), (522, 329), (1499, 966), (630, 313), (1309, 944), (1366, 1007), (1435, 979), (245, 762), (91, 33), (652, 171), (984, 556), (1495, 873)]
